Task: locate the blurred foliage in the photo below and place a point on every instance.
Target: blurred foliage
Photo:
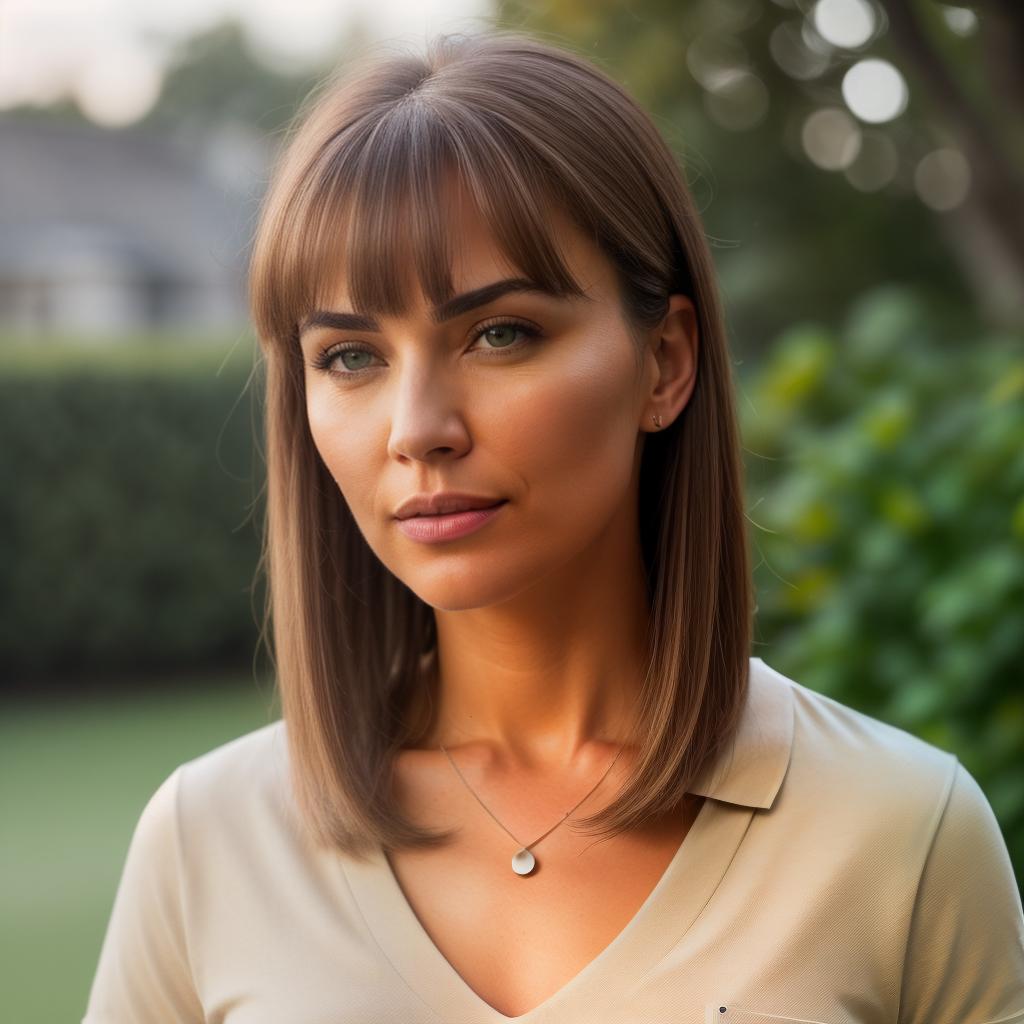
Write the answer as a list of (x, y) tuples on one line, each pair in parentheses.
[(126, 486), (215, 78), (731, 85), (885, 491)]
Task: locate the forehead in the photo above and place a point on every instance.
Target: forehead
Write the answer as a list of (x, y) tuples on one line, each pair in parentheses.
[(476, 256)]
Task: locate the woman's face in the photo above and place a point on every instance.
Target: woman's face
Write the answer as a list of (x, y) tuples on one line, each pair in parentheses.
[(479, 404)]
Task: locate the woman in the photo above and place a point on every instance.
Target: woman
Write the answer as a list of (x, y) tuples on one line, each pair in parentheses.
[(511, 607)]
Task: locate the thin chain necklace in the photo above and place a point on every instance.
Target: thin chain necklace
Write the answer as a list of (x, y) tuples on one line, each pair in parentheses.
[(523, 861)]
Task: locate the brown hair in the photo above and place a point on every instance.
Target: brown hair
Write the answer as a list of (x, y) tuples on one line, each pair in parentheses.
[(524, 123)]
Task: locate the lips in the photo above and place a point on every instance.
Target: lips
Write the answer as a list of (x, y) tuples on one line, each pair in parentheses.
[(444, 503), (449, 526), (453, 511)]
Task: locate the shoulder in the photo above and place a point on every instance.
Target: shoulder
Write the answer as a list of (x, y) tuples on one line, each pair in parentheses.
[(253, 751), (882, 821), (889, 840), (237, 785), (848, 764)]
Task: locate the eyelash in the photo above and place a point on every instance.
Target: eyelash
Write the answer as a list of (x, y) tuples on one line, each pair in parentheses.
[(324, 360)]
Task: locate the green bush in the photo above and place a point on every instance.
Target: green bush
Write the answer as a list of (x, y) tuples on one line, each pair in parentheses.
[(127, 479), (885, 469)]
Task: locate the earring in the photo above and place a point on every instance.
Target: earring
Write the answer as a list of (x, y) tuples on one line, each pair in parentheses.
[(657, 420)]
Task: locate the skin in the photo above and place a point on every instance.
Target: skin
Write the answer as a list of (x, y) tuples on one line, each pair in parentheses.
[(540, 614)]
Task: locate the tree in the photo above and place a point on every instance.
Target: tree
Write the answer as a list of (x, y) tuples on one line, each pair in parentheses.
[(735, 85)]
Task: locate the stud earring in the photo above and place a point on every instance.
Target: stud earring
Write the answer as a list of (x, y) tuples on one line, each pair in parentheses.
[(657, 420)]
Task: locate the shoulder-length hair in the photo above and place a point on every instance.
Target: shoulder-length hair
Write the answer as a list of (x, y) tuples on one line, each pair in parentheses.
[(523, 123)]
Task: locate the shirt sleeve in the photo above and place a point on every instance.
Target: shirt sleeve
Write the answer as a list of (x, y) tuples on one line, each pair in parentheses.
[(965, 952), (144, 975)]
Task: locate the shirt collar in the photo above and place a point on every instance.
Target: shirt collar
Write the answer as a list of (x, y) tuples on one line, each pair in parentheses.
[(750, 769)]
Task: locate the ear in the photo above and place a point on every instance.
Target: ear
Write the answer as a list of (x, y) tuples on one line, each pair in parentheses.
[(672, 363)]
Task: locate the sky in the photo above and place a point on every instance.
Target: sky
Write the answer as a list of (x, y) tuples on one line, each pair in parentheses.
[(108, 54)]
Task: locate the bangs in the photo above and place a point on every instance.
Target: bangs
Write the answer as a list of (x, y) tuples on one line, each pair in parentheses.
[(377, 206)]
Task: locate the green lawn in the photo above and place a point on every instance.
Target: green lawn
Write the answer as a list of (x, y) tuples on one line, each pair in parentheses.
[(74, 777)]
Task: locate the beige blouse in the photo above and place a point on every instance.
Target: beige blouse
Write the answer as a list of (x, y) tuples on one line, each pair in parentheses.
[(842, 871)]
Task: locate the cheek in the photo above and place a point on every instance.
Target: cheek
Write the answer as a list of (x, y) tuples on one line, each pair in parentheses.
[(575, 429), (347, 454)]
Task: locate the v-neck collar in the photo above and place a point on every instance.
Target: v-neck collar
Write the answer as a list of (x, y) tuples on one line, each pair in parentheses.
[(745, 778)]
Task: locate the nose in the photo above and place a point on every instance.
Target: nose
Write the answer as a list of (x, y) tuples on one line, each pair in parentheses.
[(427, 416)]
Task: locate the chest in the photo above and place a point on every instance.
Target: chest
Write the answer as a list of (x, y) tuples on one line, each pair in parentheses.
[(517, 940)]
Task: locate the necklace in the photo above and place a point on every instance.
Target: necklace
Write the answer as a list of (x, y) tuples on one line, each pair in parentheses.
[(523, 861)]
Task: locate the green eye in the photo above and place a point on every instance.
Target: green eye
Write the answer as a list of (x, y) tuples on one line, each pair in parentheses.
[(511, 330), (503, 332), (351, 352)]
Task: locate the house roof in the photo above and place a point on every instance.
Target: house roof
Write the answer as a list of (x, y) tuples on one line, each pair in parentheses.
[(131, 197)]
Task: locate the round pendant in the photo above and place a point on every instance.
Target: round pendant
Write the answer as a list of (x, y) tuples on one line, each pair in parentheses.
[(523, 862)]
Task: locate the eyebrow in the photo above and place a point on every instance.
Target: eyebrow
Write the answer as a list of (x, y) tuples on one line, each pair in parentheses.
[(446, 311)]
